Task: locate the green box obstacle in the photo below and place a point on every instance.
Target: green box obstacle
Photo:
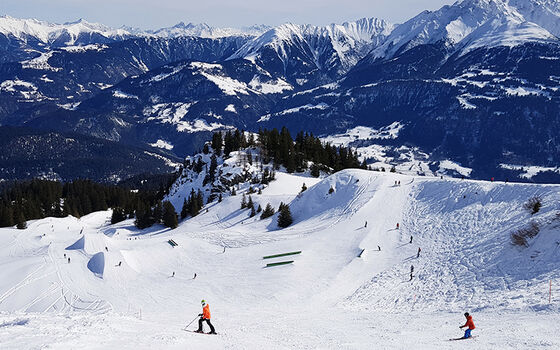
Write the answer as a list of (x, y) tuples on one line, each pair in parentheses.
[(279, 255), (279, 263)]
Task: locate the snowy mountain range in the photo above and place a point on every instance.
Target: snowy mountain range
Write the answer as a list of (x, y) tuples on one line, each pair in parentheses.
[(474, 83), (71, 33)]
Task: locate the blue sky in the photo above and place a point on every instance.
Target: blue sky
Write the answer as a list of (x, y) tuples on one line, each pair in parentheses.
[(152, 14)]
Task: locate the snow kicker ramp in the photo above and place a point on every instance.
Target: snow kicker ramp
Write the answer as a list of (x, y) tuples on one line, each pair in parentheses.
[(78, 245), (96, 264)]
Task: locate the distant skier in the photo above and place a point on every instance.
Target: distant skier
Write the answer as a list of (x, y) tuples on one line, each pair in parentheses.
[(365, 225), (69, 260), (194, 276), (410, 239), (173, 275), (379, 248), (418, 255), (205, 317), (397, 225), (224, 250), (469, 324), (82, 230), (106, 249), (399, 182), (411, 271), (120, 263), (65, 255)]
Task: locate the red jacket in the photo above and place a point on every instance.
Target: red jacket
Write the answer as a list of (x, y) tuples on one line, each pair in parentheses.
[(469, 322), (206, 312)]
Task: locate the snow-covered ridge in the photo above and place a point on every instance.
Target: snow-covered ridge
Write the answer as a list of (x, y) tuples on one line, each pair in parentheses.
[(69, 33), (348, 40), (59, 34), (469, 24), (364, 133), (203, 30)]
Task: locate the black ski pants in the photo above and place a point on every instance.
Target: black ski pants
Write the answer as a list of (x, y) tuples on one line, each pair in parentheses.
[(207, 322)]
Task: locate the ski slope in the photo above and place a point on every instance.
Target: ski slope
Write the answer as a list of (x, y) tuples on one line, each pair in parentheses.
[(118, 291)]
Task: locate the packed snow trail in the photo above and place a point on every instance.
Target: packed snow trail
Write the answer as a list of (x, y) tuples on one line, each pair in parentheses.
[(127, 288)]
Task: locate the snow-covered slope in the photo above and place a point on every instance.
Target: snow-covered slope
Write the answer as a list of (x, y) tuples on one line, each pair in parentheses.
[(119, 289)]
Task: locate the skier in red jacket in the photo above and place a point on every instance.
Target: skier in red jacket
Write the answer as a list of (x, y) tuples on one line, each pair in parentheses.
[(469, 324), (205, 317)]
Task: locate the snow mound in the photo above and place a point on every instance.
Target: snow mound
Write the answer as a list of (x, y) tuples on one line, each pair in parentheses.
[(78, 245), (96, 264), (347, 197)]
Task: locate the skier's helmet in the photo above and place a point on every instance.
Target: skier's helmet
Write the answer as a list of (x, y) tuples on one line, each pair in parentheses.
[(203, 302), (466, 314)]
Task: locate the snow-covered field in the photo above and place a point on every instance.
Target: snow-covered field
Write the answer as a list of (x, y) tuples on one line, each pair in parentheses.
[(329, 298)]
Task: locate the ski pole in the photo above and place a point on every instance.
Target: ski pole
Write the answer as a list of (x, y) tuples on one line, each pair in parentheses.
[(191, 322)]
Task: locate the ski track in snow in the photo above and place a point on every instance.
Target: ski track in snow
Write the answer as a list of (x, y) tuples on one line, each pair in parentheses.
[(329, 298)]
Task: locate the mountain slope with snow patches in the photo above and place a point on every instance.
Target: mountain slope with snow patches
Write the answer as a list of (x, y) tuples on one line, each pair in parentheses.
[(333, 49), (341, 285)]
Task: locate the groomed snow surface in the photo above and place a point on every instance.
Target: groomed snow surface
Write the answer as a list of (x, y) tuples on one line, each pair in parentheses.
[(118, 292)]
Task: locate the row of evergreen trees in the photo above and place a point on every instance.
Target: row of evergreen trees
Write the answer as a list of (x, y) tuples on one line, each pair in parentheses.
[(280, 147), (162, 213), (37, 199)]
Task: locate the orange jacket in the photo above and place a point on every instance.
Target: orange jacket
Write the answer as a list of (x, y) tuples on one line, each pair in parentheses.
[(469, 322), (206, 312)]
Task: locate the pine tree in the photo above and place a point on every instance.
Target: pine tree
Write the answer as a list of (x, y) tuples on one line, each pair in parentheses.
[(267, 212), (364, 165), (250, 204), (315, 170), (253, 212), (169, 215), (217, 143), (118, 215), (259, 209), (243, 202), (220, 198), (213, 167), (303, 188), (200, 199), (185, 209), (284, 216), (6, 216), (194, 208), (158, 212), (143, 216)]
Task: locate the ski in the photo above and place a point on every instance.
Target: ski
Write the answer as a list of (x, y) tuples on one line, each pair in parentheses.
[(187, 330), (463, 338)]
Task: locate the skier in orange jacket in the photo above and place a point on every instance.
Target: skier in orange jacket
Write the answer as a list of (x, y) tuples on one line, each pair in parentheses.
[(205, 316), (469, 324)]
